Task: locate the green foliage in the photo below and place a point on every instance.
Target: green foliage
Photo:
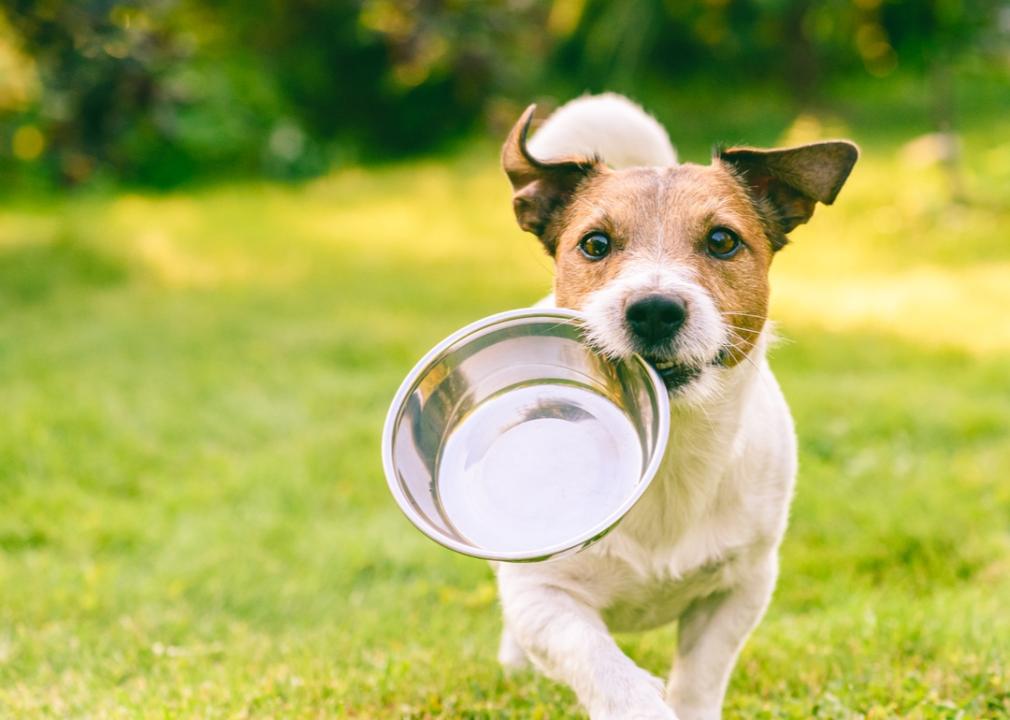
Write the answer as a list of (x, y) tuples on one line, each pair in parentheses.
[(160, 93), (796, 44), (129, 92), (157, 94)]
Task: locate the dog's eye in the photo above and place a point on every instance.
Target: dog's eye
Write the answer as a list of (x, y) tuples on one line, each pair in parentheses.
[(595, 246), (723, 243)]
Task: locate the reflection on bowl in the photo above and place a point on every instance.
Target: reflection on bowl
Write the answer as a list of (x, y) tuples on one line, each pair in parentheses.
[(513, 440)]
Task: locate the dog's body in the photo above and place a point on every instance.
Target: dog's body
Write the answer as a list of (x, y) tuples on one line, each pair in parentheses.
[(700, 547)]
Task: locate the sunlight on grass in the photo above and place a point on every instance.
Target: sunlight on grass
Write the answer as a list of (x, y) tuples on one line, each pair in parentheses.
[(895, 255), (927, 306), (195, 515)]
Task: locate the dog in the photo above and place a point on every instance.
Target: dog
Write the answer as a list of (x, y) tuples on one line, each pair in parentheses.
[(669, 261)]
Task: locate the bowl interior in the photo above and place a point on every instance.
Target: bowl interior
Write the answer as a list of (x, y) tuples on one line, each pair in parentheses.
[(513, 440)]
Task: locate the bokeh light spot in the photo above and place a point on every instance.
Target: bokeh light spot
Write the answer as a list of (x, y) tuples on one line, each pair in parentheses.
[(28, 143)]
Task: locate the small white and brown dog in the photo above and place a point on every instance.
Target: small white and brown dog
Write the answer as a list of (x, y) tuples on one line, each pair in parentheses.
[(670, 261)]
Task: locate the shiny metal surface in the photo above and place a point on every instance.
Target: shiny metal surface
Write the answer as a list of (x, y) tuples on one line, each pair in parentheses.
[(512, 440)]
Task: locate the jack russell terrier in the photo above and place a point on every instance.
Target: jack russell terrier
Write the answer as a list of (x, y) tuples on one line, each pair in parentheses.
[(669, 261)]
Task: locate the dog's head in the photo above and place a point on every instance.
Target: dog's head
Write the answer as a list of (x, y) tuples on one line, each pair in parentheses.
[(672, 262)]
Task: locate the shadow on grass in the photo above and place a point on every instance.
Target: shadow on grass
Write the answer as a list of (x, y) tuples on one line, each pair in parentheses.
[(33, 273)]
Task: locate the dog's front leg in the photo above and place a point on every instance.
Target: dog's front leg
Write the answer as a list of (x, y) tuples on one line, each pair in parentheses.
[(569, 642), (710, 636)]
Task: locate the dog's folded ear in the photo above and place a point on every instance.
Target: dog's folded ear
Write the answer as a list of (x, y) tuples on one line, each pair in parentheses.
[(540, 188), (787, 183)]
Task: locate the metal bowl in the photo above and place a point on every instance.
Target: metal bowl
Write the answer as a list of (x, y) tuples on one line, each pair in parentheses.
[(513, 440)]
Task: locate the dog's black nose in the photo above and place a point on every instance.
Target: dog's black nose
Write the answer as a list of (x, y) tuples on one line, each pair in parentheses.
[(656, 318)]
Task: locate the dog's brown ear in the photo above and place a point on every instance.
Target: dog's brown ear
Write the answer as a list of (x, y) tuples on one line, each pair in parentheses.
[(540, 188), (787, 183)]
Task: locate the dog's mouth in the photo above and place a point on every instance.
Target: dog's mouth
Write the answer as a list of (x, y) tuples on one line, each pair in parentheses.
[(675, 375)]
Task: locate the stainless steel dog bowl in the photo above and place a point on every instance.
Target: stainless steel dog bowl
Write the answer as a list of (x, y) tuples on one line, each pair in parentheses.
[(513, 440)]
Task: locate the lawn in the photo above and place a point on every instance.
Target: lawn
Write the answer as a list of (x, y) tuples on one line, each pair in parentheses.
[(195, 519)]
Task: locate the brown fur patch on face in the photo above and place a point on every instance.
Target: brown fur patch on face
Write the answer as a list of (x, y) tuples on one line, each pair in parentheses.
[(663, 216)]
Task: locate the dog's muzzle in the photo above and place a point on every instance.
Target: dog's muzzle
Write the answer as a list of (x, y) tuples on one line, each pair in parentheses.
[(654, 320)]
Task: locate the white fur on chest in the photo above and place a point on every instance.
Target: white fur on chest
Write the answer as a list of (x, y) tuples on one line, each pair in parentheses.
[(719, 502)]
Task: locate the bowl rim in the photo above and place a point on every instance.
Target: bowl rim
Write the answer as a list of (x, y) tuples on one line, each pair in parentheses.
[(578, 542)]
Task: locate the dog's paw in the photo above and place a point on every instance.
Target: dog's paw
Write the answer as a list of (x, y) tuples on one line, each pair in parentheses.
[(694, 708), (641, 698), (649, 710), (687, 712)]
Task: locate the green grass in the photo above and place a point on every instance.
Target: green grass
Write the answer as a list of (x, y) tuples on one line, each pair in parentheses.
[(195, 519)]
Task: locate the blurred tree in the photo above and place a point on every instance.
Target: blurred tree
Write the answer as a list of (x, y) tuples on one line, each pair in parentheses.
[(98, 63), (799, 44), (159, 91), (933, 35), (392, 76)]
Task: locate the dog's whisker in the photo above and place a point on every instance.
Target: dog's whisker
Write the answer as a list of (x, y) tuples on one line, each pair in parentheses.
[(727, 315), (745, 354), (748, 330), (741, 312)]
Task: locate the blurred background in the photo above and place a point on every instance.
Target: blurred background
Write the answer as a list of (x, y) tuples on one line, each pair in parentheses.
[(163, 93), (228, 229)]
